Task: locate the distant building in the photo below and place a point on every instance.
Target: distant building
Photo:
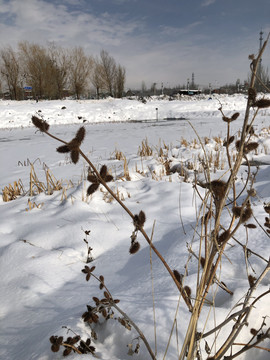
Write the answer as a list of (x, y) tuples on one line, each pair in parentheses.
[(189, 92)]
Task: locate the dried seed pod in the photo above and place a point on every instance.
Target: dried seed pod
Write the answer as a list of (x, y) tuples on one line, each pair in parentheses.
[(63, 149), (250, 147), (218, 187), (42, 125), (252, 192), (80, 135), (251, 280), (254, 332), (246, 214), (178, 276), (267, 208), (141, 218), (262, 103), (237, 211), (92, 178), (187, 290), (226, 119), (92, 188), (250, 226), (96, 300), (235, 116), (134, 247), (67, 351), (207, 217), (95, 318), (229, 142), (237, 145), (223, 237), (202, 261), (55, 348), (74, 156), (103, 171), (250, 130), (74, 144), (108, 178)]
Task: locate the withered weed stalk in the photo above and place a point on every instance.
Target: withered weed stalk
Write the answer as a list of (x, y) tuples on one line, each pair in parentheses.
[(220, 197)]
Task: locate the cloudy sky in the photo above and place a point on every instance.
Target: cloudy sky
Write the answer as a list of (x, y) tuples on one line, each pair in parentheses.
[(156, 40)]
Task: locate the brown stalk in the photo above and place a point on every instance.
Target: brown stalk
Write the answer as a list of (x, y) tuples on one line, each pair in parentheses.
[(113, 304), (209, 273), (179, 286)]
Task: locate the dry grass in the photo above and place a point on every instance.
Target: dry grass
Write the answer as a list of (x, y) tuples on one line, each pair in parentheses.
[(11, 192), (145, 149)]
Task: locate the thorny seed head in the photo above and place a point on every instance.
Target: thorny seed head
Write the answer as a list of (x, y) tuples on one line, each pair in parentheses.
[(251, 280), (202, 261), (237, 211), (254, 332), (262, 103), (178, 276), (73, 146), (223, 237), (229, 142), (92, 188), (250, 147), (41, 124), (250, 130), (139, 220), (252, 192), (246, 213), (235, 116), (218, 187), (232, 118), (207, 216), (134, 247), (187, 290), (104, 174), (267, 208), (250, 226), (80, 135)]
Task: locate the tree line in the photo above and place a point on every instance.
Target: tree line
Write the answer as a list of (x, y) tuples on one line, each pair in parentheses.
[(53, 72)]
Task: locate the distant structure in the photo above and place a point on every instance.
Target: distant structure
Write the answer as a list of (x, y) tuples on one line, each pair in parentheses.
[(192, 80), (260, 63)]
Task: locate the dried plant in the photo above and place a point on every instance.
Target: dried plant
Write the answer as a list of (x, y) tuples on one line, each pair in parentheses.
[(219, 197)]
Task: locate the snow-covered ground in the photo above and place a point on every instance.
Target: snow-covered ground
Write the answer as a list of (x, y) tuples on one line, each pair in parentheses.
[(42, 247)]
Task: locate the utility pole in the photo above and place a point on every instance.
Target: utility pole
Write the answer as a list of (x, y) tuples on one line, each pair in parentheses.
[(192, 81), (260, 62)]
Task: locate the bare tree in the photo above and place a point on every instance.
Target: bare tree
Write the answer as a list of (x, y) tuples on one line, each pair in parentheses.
[(96, 77), (80, 69), (10, 71), (143, 88), (119, 82), (60, 63), (108, 70), (39, 69)]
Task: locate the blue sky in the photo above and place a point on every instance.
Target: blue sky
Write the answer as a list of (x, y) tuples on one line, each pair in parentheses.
[(156, 40)]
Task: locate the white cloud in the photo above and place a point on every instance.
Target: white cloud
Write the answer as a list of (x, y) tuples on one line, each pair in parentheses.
[(208, 2), (40, 21), (177, 31)]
